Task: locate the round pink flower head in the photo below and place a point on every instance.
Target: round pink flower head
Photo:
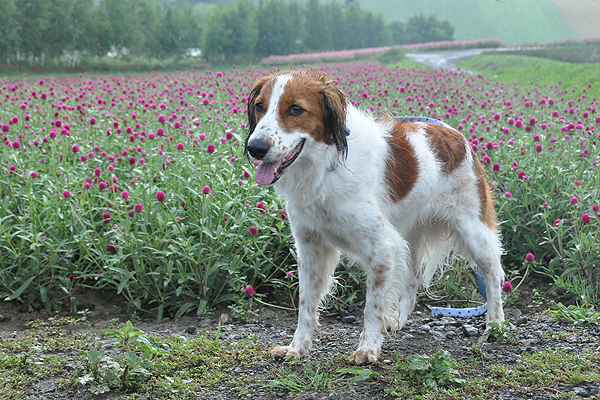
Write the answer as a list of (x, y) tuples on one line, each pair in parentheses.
[(574, 200), (508, 194), (206, 190), (507, 287), (124, 194), (161, 118), (253, 231), (211, 148), (289, 274), (138, 208), (111, 248), (66, 194), (529, 257), (250, 291), (586, 218), (161, 196), (180, 146), (34, 174)]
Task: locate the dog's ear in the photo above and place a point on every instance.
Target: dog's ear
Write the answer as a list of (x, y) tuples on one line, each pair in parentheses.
[(333, 104), (252, 103)]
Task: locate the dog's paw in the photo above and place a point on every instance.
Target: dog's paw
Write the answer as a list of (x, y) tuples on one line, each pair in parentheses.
[(287, 351), (363, 357)]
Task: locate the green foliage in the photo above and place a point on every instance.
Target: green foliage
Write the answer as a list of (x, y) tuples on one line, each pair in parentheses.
[(303, 376), (434, 371), (575, 314), (422, 29), (504, 332)]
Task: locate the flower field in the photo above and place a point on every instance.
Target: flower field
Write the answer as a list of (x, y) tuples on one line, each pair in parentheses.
[(139, 183)]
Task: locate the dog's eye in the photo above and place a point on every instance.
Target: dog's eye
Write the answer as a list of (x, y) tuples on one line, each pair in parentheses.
[(296, 110), (259, 106)]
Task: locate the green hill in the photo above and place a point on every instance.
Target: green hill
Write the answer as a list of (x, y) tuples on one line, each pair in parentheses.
[(512, 21)]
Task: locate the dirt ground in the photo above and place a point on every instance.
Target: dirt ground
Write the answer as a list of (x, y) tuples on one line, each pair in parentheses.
[(336, 336)]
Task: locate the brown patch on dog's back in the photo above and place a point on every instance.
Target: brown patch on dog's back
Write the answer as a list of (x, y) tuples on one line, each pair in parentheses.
[(448, 145), (402, 168), (487, 214)]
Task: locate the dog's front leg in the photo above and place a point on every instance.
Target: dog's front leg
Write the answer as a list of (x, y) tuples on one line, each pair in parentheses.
[(316, 263), (386, 271)]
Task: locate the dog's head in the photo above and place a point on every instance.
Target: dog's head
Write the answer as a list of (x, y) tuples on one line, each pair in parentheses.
[(285, 111)]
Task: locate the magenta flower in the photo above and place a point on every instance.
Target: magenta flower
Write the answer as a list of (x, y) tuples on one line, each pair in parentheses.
[(507, 287), (160, 196), (106, 217), (206, 190), (556, 223), (111, 248), (125, 194), (93, 121), (160, 131), (595, 207), (180, 146), (66, 194), (211, 148), (538, 148), (574, 200), (529, 257), (34, 174), (250, 291), (75, 148), (508, 194), (586, 218), (138, 208), (289, 274), (253, 231)]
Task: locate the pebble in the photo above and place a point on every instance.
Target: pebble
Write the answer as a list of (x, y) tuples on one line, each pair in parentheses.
[(470, 330), (350, 319)]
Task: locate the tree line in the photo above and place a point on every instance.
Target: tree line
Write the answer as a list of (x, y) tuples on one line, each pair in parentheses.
[(39, 29)]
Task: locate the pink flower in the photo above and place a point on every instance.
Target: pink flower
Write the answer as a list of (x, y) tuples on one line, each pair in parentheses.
[(529, 257), (289, 274), (508, 194), (507, 287), (206, 190), (93, 121), (34, 174), (66, 194), (595, 207), (556, 223), (180, 146), (574, 200), (211, 148), (263, 208), (138, 208), (161, 118), (75, 148), (250, 291), (124, 194), (106, 217), (586, 218), (538, 148), (111, 248), (253, 231)]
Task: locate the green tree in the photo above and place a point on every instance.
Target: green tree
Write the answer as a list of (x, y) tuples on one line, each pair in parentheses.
[(421, 29), (318, 27), (398, 35), (33, 19), (230, 34), (9, 28), (280, 30)]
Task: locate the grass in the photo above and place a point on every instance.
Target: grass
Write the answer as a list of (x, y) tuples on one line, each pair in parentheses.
[(142, 364), (537, 72)]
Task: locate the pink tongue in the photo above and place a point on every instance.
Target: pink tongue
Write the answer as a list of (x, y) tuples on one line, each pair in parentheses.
[(266, 172)]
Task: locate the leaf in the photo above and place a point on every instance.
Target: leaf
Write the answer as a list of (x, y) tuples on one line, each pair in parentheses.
[(20, 290)]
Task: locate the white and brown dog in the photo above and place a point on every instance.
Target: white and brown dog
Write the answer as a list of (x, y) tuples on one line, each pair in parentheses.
[(398, 196)]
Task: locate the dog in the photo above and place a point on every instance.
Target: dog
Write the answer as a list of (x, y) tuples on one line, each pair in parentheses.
[(400, 197)]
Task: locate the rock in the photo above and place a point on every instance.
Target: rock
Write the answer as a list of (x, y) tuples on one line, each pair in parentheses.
[(470, 330), (425, 328), (522, 321), (579, 391), (190, 330), (438, 334), (69, 367), (516, 313), (224, 318), (350, 319)]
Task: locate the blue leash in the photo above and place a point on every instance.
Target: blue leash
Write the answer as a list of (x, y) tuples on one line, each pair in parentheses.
[(447, 311)]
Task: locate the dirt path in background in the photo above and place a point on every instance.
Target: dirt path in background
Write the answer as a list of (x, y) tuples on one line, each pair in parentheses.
[(446, 59)]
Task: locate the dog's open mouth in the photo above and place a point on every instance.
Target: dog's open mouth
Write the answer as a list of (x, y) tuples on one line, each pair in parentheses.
[(269, 172)]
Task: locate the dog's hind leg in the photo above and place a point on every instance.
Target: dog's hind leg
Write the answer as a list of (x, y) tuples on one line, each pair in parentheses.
[(482, 244), (316, 262)]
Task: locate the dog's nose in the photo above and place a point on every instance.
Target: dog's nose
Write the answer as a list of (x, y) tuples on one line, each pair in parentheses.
[(258, 148)]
